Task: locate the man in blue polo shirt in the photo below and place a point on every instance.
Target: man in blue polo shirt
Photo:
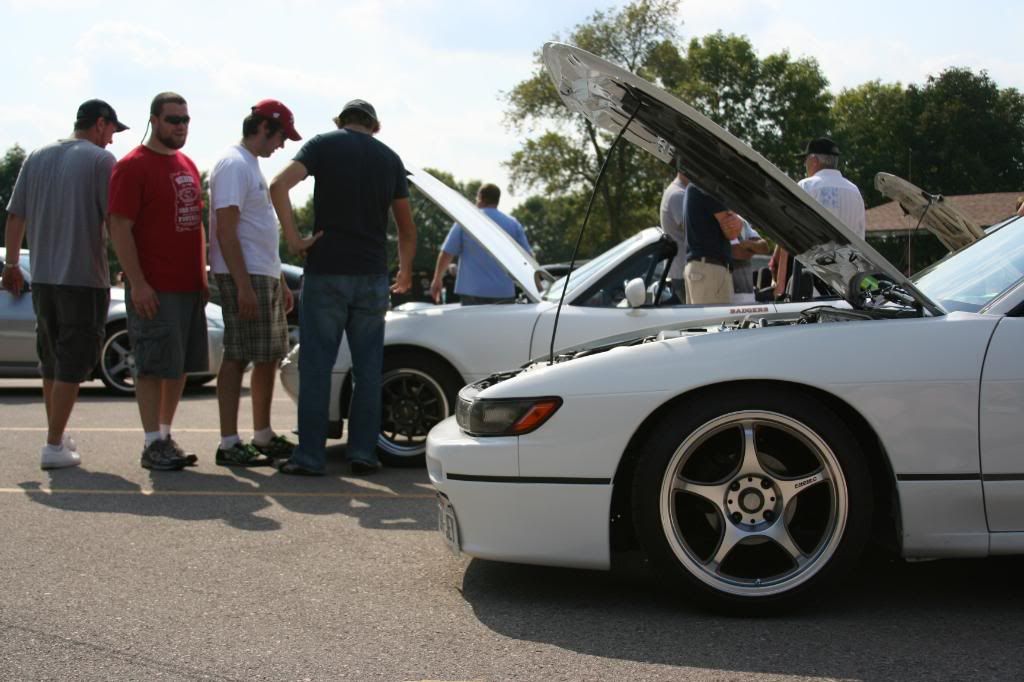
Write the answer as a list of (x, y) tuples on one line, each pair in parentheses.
[(480, 279)]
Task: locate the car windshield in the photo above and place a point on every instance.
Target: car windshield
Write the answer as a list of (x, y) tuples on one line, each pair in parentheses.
[(582, 273), (973, 276)]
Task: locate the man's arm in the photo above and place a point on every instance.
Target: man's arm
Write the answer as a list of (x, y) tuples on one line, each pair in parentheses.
[(143, 296), (13, 278), (231, 248), (443, 261), (402, 211), (730, 223), (293, 174)]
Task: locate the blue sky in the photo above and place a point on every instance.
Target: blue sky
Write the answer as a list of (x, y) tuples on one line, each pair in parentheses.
[(434, 69)]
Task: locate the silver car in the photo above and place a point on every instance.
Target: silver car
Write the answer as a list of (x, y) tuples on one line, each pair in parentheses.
[(18, 339)]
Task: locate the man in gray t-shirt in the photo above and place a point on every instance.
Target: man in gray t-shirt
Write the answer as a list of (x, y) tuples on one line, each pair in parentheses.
[(60, 201)]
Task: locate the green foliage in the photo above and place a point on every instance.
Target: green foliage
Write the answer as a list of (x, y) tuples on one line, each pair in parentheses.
[(304, 223), (10, 166), (959, 133)]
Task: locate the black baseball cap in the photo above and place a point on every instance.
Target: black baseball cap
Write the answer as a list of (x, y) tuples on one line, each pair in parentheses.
[(820, 145), (92, 109), (359, 105)]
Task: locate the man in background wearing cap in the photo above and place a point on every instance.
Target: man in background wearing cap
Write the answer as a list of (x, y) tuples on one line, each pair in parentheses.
[(255, 300), (826, 184), (345, 289), (60, 200), (672, 224), (156, 225)]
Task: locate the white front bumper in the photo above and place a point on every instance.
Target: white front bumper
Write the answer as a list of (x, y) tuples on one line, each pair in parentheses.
[(505, 517)]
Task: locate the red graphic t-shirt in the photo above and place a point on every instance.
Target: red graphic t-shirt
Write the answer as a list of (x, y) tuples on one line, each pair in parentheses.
[(162, 195)]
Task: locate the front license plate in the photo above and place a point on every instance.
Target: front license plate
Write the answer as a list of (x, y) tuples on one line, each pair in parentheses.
[(448, 525)]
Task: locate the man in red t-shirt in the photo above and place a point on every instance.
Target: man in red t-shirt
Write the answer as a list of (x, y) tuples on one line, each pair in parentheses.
[(156, 226)]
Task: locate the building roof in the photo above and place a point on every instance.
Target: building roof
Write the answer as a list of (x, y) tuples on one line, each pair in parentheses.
[(984, 209)]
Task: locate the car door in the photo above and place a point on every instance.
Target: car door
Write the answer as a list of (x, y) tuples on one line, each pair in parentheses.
[(1001, 437), (602, 310), (18, 330)]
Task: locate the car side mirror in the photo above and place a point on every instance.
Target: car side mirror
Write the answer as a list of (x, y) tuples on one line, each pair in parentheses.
[(636, 292)]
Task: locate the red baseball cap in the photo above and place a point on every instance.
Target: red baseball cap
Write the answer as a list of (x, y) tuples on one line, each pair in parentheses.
[(271, 108)]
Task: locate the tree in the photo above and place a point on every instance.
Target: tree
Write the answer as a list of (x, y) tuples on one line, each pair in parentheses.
[(566, 152), (774, 104), (10, 166)]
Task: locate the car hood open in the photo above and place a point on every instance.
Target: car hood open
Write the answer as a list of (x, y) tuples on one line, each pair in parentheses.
[(520, 265), (722, 165), (954, 229)]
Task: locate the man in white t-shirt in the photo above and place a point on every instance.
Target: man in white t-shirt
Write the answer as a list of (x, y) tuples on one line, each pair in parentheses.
[(245, 261)]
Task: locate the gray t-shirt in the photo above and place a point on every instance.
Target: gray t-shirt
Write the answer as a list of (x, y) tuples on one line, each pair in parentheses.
[(61, 192)]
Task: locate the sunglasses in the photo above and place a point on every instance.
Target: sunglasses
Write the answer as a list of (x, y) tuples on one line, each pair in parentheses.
[(177, 120)]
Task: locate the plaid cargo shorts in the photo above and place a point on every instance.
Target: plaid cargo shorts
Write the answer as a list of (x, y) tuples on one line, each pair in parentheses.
[(264, 339)]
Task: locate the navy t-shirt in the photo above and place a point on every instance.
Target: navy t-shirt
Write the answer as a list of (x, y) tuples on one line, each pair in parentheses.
[(357, 178), (704, 238)]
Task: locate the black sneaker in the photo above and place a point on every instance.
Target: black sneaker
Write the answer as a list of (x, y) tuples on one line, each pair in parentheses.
[(361, 468), (159, 456), (191, 459), (242, 455), (279, 447)]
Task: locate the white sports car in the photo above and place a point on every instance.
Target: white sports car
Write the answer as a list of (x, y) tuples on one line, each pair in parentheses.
[(432, 351), (753, 460)]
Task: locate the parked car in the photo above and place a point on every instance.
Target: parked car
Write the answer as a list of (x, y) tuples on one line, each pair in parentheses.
[(752, 461), (18, 339), (432, 351)]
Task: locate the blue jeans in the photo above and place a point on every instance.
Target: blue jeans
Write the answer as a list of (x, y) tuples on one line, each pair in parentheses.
[(332, 306)]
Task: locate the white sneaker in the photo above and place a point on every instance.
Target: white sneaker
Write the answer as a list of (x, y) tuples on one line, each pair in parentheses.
[(69, 442), (58, 458)]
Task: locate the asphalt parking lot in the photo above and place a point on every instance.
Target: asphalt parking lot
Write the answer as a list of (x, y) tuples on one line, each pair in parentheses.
[(110, 572)]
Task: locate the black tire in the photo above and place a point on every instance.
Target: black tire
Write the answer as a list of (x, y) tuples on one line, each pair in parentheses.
[(116, 360), (752, 500), (417, 392)]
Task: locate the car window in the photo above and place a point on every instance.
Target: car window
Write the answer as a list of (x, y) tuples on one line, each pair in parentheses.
[(593, 265), (973, 276), (648, 264)]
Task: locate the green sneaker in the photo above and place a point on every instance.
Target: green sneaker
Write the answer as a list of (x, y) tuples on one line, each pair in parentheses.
[(279, 447), (242, 455)]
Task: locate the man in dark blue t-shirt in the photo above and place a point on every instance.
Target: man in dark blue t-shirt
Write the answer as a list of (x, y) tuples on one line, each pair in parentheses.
[(345, 288), (709, 228)]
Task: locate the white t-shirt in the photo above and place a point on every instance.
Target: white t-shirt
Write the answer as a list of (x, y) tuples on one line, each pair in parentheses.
[(839, 196), (236, 180)]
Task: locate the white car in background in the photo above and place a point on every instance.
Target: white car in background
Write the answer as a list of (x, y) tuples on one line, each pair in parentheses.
[(18, 357), (751, 461), (431, 351)]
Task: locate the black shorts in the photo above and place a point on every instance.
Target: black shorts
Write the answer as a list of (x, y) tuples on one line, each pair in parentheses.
[(70, 328), (173, 343)]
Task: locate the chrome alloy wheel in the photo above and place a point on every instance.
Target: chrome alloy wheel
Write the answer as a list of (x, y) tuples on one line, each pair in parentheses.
[(412, 403), (117, 362), (753, 503)]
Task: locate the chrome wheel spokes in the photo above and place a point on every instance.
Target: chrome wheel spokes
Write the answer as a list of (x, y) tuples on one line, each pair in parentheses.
[(753, 503), (412, 403)]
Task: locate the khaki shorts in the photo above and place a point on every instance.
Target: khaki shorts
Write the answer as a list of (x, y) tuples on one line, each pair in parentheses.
[(708, 283), (173, 343), (264, 339)]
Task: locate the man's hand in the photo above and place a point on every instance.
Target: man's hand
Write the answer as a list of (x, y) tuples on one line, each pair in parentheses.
[(248, 306), (300, 246), (13, 280), (403, 282), (289, 299), (435, 289), (144, 300)]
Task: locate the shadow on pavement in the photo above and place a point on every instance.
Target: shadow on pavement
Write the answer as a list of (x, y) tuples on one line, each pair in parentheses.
[(955, 619), (391, 499), (96, 393)]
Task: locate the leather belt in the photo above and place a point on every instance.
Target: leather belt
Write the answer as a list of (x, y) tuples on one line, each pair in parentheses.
[(712, 261)]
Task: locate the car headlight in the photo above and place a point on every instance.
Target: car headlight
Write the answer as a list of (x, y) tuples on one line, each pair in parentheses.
[(504, 417)]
